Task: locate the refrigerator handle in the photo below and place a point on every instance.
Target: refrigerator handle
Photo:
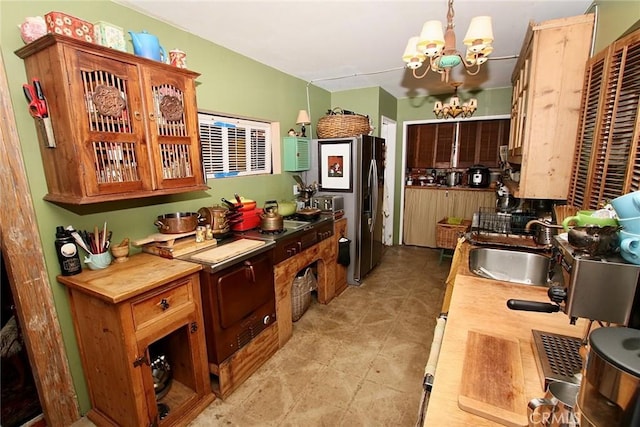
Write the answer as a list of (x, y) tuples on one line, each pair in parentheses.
[(374, 188)]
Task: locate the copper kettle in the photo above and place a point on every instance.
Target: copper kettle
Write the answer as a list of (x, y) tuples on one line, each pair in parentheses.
[(271, 220)]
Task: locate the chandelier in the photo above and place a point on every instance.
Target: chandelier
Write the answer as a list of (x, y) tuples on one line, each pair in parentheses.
[(441, 48), (453, 109)]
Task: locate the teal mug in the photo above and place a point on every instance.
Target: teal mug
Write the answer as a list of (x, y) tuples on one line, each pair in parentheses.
[(98, 261), (627, 206), (631, 225), (630, 246)]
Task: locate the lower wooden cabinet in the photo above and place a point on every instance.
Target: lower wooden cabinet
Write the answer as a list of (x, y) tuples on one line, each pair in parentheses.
[(424, 207), (132, 320)]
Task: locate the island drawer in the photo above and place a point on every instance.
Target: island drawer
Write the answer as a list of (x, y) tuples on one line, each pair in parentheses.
[(151, 308)]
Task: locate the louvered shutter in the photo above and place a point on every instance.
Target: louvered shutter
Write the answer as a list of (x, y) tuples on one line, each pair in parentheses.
[(468, 135), (606, 163), (444, 141)]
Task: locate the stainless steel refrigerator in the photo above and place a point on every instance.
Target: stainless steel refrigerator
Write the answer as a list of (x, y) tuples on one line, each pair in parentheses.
[(362, 186)]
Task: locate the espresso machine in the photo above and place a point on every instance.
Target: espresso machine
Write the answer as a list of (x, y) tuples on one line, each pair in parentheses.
[(603, 289), (597, 288)]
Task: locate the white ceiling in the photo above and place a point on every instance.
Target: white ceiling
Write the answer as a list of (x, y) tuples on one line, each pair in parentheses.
[(321, 41)]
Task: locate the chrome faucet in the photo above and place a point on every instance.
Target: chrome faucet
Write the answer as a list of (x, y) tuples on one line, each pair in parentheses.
[(542, 223)]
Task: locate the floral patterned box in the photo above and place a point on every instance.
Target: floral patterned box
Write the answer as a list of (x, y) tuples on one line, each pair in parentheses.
[(109, 35), (67, 25)]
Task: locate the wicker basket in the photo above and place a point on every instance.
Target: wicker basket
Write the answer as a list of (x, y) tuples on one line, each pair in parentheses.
[(339, 125), (447, 234), (301, 294)]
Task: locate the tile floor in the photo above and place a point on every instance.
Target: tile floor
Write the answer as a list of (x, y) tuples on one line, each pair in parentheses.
[(358, 361)]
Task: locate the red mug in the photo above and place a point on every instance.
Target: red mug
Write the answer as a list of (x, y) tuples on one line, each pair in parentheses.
[(178, 58)]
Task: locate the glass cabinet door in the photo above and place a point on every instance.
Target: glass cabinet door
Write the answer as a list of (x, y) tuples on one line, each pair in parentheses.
[(173, 131), (107, 108)]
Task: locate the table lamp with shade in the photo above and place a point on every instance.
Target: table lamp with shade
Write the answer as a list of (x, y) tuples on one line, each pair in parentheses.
[(303, 119)]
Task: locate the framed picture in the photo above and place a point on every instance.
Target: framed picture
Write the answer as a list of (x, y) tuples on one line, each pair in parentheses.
[(335, 165)]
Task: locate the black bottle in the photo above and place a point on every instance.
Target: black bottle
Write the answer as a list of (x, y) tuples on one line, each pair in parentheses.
[(67, 252)]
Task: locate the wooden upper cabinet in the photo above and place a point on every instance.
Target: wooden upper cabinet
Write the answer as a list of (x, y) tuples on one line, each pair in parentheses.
[(478, 141), (547, 87), (606, 163), (125, 127)]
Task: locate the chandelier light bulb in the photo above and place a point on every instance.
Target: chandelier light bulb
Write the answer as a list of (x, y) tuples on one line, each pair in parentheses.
[(454, 108), (412, 56), (442, 52)]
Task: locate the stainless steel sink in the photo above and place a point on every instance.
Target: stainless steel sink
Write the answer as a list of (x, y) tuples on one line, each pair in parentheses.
[(510, 266), (294, 225)]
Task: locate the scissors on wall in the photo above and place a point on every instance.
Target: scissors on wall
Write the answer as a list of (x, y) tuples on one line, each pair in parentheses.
[(38, 108), (35, 97)]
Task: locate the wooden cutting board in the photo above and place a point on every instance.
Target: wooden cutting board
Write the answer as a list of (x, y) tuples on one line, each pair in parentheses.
[(161, 237), (492, 379), (177, 248), (228, 250)]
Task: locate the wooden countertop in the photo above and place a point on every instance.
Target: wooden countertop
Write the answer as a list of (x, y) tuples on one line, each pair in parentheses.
[(480, 304), (121, 281), (444, 187)]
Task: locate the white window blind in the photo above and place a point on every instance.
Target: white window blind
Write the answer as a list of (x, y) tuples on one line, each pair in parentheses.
[(232, 146)]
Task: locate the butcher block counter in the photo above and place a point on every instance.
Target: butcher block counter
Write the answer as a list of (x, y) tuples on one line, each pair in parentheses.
[(479, 305)]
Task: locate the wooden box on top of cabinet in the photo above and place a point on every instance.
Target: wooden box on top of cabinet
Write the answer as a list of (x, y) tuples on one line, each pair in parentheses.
[(125, 127)]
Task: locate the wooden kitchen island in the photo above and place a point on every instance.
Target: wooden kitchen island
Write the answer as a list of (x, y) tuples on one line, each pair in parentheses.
[(479, 304)]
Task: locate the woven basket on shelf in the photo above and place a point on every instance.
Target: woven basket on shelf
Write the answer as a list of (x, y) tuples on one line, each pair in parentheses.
[(339, 125)]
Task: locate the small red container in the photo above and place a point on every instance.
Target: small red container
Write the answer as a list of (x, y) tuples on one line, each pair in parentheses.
[(250, 220), (70, 26)]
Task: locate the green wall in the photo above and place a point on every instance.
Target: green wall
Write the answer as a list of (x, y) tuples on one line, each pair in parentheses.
[(615, 17)]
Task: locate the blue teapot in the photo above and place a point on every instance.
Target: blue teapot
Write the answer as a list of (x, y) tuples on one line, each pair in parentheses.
[(148, 46)]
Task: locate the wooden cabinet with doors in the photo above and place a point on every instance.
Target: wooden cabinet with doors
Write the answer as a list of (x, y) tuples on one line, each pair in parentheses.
[(547, 83), (125, 126), (606, 164), (431, 145), (128, 318), (297, 154)]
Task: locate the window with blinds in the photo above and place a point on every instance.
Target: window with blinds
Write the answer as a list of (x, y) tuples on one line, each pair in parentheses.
[(233, 146)]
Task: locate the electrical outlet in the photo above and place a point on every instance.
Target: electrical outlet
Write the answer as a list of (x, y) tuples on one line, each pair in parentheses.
[(295, 190)]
